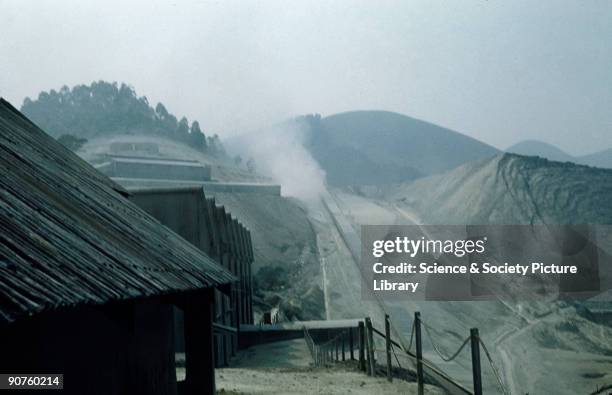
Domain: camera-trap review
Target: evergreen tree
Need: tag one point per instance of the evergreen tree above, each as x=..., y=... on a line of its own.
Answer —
x=197, y=139
x=182, y=131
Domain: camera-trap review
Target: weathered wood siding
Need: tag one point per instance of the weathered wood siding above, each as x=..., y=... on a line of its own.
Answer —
x=209, y=227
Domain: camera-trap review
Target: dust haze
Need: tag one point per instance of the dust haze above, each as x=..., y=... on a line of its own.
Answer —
x=279, y=152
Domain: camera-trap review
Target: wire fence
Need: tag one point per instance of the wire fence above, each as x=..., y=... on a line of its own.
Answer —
x=323, y=352
x=494, y=369
x=326, y=351
x=445, y=358
x=437, y=349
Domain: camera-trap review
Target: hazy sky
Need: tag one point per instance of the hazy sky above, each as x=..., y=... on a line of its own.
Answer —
x=499, y=71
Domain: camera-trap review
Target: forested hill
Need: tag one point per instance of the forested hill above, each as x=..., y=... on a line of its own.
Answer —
x=104, y=109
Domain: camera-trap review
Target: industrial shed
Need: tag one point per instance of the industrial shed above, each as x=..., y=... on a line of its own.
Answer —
x=200, y=221
x=89, y=281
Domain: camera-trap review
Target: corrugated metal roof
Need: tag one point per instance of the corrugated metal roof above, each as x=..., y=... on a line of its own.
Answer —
x=68, y=236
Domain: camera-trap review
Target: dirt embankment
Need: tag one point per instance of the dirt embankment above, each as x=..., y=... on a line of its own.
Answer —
x=286, y=270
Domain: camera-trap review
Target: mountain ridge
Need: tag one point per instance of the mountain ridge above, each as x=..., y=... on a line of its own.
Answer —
x=549, y=151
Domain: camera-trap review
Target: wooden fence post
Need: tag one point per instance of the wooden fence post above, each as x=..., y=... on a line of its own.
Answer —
x=367, y=351
x=351, y=343
x=388, y=345
x=362, y=365
x=419, y=351
x=474, y=343
x=337, y=353
x=371, y=357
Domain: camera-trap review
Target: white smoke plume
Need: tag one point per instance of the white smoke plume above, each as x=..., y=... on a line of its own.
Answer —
x=279, y=153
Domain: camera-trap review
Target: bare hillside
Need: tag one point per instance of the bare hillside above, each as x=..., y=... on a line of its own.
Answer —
x=511, y=189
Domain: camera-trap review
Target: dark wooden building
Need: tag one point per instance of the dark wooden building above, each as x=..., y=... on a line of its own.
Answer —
x=89, y=282
x=200, y=221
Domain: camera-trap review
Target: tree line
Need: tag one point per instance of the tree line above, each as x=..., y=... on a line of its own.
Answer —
x=105, y=109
